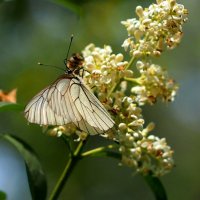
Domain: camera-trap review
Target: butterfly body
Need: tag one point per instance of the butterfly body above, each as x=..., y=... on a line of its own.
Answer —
x=69, y=100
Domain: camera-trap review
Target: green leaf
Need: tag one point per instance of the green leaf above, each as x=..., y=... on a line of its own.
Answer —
x=2, y=195
x=156, y=186
x=6, y=106
x=36, y=176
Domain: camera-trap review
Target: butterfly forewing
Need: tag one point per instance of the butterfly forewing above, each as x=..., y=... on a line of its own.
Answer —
x=69, y=100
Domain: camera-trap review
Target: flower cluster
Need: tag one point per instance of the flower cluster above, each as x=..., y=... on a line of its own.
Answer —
x=150, y=155
x=103, y=68
x=123, y=94
x=158, y=26
x=125, y=110
x=145, y=153
x=153, y=83
x=68, y=130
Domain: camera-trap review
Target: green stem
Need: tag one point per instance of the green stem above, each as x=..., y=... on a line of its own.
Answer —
x=134, y=80
x=116, y=84
x=130, y=63
x=93, y=152
x=156, y=186
x=74, y=158
x=102, y=151
x=68, y=143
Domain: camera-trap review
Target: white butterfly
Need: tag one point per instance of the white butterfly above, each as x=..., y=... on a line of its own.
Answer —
x=68, y=100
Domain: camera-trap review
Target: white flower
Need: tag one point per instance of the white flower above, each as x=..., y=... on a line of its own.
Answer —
x=162, y=20
x=154, y=83
x=104, y=67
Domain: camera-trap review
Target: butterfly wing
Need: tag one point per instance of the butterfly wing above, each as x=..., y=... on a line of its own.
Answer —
x=68, y=100
x=51, y=106
x=90, y=107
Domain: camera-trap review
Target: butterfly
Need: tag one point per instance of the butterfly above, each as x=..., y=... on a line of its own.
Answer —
x=69, y=100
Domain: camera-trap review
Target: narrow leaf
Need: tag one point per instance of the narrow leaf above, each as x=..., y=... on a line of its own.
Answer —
x=6, y=106
x=2, y=195
x=36, y=176
x=156, y=187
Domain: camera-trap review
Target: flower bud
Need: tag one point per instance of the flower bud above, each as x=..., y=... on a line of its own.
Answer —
x=128, y=73
x=119, y=57
x=137, y=53
x=122, y=127
x=139, y=11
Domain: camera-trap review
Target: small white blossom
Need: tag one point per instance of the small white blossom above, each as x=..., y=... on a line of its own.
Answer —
x=68, y=130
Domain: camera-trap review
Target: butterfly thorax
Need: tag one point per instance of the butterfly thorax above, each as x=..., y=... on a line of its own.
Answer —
x=75, y=63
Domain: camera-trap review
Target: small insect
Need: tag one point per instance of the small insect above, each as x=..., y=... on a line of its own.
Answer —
x=68, y=100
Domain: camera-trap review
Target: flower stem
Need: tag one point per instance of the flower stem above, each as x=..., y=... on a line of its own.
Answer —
x=156, y=187
x=102, y=151
x=130, y=63
x=116, y=84
x=133, y=80
x=74, y=158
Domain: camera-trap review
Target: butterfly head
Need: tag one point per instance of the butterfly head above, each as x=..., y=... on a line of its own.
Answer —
x=74, y=63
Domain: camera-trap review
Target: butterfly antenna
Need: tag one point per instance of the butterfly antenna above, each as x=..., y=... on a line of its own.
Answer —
x=51, y=66
x=72, y=36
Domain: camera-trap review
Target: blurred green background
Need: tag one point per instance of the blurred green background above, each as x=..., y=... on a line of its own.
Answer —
x=39, y=30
